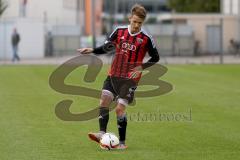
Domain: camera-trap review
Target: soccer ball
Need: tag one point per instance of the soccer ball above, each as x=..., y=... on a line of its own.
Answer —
x=109, y=141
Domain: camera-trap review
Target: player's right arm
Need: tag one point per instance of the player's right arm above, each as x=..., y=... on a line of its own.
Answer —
x=105, y=48
x=85, y=50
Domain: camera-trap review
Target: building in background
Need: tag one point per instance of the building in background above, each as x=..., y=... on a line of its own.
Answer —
x=71, y=23
x=55, y=12
x=232, y=7
x=180, y=34
x=211, y=33
x=205, y=30
x=65, y=20
x=116, y=11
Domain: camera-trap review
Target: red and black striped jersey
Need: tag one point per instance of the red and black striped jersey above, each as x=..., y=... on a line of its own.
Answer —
x=130, y=51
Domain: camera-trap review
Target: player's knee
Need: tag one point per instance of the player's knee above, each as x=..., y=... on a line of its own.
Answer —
x=105, y=101
x=120, y=110
x=106, y=98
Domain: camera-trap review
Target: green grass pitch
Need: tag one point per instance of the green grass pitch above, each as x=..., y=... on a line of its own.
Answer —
x=30, y=130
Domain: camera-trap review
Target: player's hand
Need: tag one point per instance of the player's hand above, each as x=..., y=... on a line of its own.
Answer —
x=135, y=73
x=85, y=50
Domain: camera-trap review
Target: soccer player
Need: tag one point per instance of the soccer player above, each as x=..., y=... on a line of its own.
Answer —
x=131, y=43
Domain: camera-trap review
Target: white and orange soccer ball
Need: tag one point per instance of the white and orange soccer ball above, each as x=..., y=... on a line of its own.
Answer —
x=109, y=141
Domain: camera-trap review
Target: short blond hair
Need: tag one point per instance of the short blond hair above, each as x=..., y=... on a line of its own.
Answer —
x=139, y=11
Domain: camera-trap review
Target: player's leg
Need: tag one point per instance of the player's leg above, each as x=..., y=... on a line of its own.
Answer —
x=126, y=95
x=121, y=120
x=105, y=101
x=107, y=97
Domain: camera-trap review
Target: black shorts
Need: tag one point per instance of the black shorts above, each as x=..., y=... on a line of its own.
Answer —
x=120, y=87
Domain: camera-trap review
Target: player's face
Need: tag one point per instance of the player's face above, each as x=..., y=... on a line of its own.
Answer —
x=135, y=23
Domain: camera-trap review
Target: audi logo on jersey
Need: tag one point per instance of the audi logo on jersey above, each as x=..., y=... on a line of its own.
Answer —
x=128, y=47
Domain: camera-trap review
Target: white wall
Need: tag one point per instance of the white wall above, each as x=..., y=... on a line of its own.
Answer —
x=231, y=7
x=5, y=39
x=40, y=16
x=32, y=38
x=55, y=10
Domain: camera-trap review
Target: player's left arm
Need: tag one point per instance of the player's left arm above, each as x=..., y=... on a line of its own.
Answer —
x=153, y=53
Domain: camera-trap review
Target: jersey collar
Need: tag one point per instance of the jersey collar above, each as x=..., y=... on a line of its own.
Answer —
x=134, y=33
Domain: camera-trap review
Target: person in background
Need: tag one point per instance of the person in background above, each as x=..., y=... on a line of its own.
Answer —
x=15, y=42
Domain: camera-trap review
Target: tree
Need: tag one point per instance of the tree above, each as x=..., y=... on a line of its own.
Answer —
x=195, y=6
x=2, y=7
